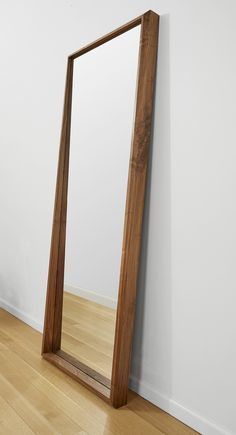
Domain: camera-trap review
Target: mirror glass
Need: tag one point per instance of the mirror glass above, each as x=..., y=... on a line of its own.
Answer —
x=104, y=85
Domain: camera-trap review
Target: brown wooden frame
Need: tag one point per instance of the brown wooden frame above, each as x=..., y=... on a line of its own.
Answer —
x=114, y=392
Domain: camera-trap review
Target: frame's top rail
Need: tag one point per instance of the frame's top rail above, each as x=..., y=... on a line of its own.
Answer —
x=109, y=36
x=128, y=26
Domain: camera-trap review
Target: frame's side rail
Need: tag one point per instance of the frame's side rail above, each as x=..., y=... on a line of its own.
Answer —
x=134, y=208
x=53, y=311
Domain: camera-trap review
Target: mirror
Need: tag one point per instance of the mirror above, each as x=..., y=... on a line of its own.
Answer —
x=99, y=201
x=103, y=97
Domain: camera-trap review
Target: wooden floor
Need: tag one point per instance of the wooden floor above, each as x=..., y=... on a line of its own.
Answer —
x=37, y=398
x=88, y=331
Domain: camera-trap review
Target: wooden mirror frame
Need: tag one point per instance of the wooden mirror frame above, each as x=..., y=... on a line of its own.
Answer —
x=116, y=392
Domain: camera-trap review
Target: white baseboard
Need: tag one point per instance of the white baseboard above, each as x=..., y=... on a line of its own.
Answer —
x=190, y=418
x=91, y=296
x=21, y=315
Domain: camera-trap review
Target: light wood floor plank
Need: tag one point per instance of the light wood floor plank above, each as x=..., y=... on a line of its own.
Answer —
x=44, y=400
x=24, y=409
x=22, y=378
x=10, y=422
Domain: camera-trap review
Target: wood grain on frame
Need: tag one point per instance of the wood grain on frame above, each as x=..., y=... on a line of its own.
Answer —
x=53, y=310
x=117, y=393
x=134, y=209
x=73, y=371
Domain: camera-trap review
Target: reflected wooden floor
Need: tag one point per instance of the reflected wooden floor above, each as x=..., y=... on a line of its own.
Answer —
x=88, y=331
x=37, y=398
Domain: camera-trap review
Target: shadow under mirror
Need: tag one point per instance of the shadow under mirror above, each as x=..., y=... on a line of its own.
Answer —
x=104, y=85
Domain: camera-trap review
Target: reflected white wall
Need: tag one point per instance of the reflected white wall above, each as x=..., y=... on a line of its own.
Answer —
x=104, y=86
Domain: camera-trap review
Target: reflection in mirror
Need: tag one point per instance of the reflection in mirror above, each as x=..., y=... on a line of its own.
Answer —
x=103, y=99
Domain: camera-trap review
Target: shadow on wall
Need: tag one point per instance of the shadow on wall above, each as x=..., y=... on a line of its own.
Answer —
x=151, y=367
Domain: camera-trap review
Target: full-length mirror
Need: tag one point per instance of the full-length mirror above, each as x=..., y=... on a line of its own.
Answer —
x=99, y=202
x=103, y=96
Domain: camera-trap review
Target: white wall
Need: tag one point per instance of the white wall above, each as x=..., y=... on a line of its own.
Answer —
x=184, y=349
x=104, y=87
